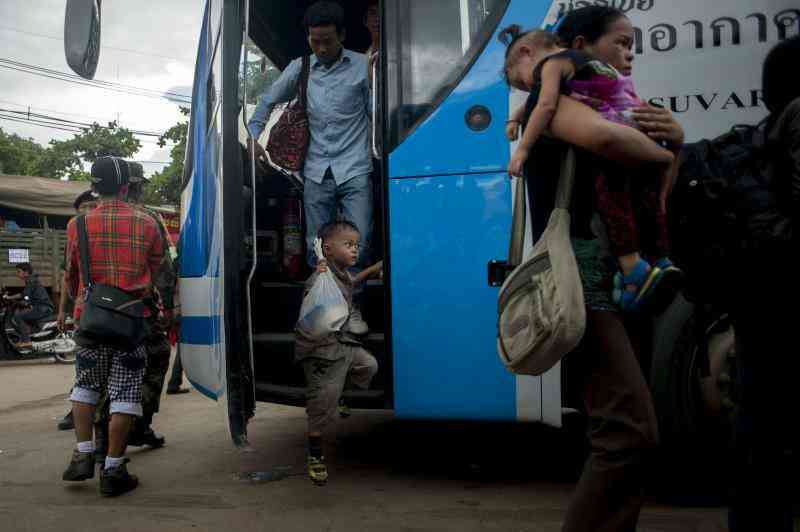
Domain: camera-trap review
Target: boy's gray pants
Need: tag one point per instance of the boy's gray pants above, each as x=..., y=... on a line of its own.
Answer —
x=326, y=380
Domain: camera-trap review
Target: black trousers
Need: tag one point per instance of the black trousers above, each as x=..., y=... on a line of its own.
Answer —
x=767, y=356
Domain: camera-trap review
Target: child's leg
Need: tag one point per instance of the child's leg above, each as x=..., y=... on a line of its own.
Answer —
x=650, y=218
x=616, y=210
x=325, y=381
x=362, y=369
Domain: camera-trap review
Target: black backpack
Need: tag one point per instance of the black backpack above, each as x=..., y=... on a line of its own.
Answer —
x=722, y=203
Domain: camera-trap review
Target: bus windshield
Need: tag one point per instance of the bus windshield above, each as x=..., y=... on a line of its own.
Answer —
x=430, y=45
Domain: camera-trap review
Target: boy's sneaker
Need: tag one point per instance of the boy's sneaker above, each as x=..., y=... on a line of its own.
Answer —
x=116, y=481
x=317, y=470
x=66, y=422
x=81, y=467
x=344, y=410
x=357, y=325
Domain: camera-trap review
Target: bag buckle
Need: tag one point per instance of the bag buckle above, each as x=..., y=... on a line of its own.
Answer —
x=498, y=270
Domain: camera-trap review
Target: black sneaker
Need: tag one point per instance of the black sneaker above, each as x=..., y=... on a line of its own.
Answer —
x=81, y=467
x=66, y=422
x=147, y=437
x=117, y=480
x=177, y=391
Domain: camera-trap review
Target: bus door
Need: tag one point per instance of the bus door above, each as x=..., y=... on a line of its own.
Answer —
x=213, y=338
x=449, y=200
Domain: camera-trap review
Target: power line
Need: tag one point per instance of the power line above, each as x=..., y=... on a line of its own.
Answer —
x=72, y=123
x=99, y=84
x=93, y=117
x=103, y=46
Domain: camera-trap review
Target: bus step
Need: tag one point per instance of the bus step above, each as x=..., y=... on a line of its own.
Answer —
x=288, y=338
x=296, y=396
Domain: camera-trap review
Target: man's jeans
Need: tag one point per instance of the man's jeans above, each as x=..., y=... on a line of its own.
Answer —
x=351, y=201
x=25, y=320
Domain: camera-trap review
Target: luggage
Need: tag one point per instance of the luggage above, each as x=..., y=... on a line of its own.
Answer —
x=290, y=136
x=542, y=315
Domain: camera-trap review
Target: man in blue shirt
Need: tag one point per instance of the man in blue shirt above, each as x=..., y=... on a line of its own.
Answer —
x=338, y=165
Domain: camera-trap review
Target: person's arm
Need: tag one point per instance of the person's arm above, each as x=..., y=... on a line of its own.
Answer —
x=660, y=125
x=578, y=124
x=514, y=122
x=71, y=274
x=376, y=270
x=791, y=139
x=282, y=90
x=63, y=299
x=155, y=259
x=542, y=114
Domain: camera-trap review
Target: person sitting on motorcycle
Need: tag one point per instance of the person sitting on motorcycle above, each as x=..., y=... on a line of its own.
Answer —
x=36, y=301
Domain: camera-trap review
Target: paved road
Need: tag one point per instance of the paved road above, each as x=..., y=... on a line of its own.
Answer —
x=386, y=475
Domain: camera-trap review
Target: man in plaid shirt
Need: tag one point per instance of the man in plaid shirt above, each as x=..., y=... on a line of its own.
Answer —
x=125, y=251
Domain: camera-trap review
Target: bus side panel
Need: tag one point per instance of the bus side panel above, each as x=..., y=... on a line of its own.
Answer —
x=202, y=338
x=444, y=312
x=444, y=231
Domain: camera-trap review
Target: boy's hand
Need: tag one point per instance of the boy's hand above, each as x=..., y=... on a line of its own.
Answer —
x=322, y=266
x=512, y=130
x=517, y=164
x=377, y=270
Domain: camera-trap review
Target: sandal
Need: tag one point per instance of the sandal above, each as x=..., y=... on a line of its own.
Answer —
x=643, y=278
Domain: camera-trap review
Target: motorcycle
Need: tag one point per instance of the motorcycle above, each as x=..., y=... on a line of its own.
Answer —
x=47, y=340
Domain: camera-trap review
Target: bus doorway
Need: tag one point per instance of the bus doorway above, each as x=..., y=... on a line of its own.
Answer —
x=275, y=226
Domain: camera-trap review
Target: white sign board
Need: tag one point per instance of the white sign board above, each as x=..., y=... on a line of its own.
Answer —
x=18, y=256
x=702, y=59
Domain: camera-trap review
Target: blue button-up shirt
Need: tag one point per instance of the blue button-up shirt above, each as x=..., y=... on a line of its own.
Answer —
x=339, y=108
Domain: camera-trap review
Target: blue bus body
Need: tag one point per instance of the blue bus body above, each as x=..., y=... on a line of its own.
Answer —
x=448, y=201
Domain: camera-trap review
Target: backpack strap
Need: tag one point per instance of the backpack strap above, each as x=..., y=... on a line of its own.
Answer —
x=83, y=248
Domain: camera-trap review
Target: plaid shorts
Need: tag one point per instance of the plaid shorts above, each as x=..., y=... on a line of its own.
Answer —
x=120, y=373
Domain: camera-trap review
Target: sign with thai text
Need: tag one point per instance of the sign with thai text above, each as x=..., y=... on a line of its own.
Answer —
x=702, y=59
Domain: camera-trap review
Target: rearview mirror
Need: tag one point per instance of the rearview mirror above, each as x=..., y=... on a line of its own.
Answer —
x=82, y=36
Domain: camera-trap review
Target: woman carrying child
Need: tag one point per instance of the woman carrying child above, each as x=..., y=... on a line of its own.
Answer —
x=622, y=423
x=632, y=208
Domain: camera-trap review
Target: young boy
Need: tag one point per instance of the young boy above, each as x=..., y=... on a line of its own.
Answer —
x=329, y=361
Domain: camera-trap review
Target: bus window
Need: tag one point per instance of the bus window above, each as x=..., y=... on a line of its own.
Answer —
x=430, y=45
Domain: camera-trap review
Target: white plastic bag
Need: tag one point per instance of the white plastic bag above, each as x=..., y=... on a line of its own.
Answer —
x=324, y=308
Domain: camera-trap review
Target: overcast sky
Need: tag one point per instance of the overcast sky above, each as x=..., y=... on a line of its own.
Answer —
x=165, y=32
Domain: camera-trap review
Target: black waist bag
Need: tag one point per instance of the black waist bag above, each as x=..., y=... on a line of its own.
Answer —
x=110, y=316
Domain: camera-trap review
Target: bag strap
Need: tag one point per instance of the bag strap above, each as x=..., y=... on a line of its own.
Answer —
x=302, y=83
x=518, y=224
x=566, y=182
x=83, y=248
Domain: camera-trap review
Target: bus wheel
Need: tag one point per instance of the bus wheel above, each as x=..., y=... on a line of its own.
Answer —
x=691, y=381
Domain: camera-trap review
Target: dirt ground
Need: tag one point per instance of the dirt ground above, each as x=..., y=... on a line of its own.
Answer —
x=386, y=475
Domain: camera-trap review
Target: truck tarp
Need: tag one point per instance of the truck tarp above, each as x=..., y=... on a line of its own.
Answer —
x=40, y=194
x=48, y=196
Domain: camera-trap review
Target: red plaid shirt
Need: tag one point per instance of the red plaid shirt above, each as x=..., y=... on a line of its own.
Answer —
x=125, y=248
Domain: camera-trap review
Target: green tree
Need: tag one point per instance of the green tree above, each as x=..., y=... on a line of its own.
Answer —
x=19, y=156
x=65, y=158
x=164, y=188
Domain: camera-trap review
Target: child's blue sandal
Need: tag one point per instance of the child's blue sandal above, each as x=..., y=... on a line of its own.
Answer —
x=643, y=277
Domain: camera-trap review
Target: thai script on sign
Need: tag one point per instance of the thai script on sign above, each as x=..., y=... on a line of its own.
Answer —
x=622, y=5
x=722, y=31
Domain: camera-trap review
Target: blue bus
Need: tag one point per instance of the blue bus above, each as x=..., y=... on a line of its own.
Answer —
x=444, y=205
